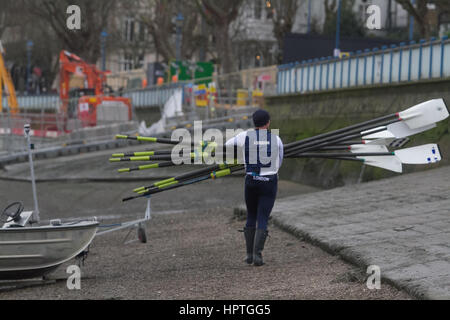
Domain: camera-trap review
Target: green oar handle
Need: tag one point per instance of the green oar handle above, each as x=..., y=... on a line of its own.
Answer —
x=192, y=156
x=172, y=181
x=148, y=167
x=162, y=140
x=142, y=154
x=189, y=175
x=212, y=175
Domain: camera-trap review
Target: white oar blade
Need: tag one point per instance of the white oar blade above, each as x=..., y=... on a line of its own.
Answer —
x=402, y=130
x=424, y=114
x=364, y=148
x=425, y=154
x=391, y=163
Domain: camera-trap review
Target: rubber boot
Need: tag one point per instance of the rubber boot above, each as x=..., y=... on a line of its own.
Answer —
x=260, y=239
x=249, y=234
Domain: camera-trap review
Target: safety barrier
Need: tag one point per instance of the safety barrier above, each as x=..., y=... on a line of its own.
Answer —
x=36, y=102
x=396, y=64
x=151, y=97
x=227, y=89
x=141, y=98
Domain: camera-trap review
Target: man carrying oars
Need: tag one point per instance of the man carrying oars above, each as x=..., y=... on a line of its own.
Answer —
x=263, y=156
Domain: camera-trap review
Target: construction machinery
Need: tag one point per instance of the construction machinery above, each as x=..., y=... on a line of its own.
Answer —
x=86, y=102
x=6, y=82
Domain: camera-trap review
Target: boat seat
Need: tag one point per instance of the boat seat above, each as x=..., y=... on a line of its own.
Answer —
x=24, y=219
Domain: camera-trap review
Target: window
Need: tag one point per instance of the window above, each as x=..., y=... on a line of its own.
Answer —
x=129, y=29
x=127, y=62
x=131, y=62
x=258, y=8
x=142, y=32
x=140, y=62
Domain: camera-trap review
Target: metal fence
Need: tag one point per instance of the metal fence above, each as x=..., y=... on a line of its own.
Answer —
x=36, y=102
x=153, y=96
x=402, y=63
x=228, y=87
x=50, y=130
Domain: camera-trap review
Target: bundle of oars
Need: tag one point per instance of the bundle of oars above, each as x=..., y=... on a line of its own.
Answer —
x=369, y=142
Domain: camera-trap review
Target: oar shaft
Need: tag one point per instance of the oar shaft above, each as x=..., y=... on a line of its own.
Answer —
x=334, y=158
x=328, y=141
x=212, y=175
x=334, y=148
x=142, y=154
x=373, y=123
x=148, y=167
x=159, y=158
x=162, y=140
x=186, y=176
x=333, y=155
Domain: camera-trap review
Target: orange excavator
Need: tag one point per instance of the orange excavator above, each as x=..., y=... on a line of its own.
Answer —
x=87, y=102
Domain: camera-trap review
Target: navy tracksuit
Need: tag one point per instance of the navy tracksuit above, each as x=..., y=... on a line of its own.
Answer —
x=260, y=191
x=260, y=199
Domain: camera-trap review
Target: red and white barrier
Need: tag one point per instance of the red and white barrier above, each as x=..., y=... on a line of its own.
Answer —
x=33, y=133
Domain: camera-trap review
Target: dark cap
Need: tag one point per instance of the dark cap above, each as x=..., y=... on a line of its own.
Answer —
x=261, y=118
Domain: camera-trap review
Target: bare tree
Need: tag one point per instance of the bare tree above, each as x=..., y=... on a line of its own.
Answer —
x=128, y=35
x=351, y=25
x=420, y=14
x=160, y=18
x=283, y=13
x=8, y=15
x=219, y=15
x=330, y=9
x=443, y=5
x=95, y=17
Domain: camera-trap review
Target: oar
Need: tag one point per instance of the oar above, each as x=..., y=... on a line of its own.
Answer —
x=148, y=167
x=391, y=163
x=186, y=176
x=162, y=140
x=191, y=156
x=212, y=175
x=416, y=117
x=142, y=154
x=327, y=141
x=425, y=154
x=401, y=130
x=409, y=122
x=344, y=130
x=212, y=147
x=336, y=155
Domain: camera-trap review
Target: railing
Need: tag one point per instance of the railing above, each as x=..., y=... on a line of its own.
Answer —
x=226, y=86
x=51, y=130
x=153, y=96
x=36, y=102
x=403, y=63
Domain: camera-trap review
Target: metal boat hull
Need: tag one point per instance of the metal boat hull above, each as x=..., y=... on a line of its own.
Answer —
x=34, y=252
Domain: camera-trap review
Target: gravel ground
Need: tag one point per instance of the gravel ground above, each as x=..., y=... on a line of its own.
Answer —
x=194, y=249
x=198, y=254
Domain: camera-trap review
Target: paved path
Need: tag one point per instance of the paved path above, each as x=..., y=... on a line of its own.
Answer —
x=401, y=225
